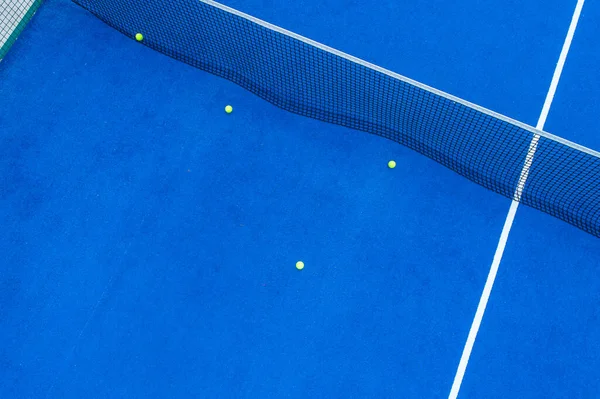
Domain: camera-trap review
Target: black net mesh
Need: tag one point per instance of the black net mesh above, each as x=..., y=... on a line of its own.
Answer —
x=561, y=179
x=14, y=15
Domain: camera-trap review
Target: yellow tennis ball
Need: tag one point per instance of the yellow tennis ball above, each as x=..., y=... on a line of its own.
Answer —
x=229, y=109
x=139, y=37
x=392, y=164
x=300, y=265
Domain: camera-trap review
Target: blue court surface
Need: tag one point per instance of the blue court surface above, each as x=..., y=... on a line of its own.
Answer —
x=149, y=239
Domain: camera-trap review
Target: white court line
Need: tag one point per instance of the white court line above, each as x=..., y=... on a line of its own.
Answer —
x=487, y=289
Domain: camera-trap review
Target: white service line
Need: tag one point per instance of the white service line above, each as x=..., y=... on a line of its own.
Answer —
x=487, y=289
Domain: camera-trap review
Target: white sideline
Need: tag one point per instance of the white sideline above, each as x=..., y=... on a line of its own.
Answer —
x=487, y=289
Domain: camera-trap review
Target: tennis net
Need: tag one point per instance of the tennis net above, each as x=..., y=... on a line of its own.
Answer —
x=297, y=74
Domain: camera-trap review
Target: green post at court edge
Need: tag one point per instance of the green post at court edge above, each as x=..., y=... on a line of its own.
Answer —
x=19, y=28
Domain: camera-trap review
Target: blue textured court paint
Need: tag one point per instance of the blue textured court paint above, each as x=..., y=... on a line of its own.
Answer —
x=192, y=273
x=577, y=102
x=149, y=239
x=540, y=334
